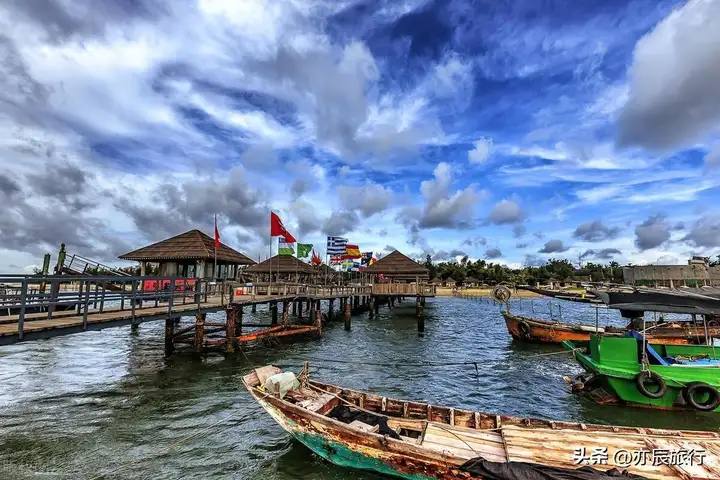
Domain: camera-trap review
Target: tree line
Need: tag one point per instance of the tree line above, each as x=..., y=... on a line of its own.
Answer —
x=554, y=268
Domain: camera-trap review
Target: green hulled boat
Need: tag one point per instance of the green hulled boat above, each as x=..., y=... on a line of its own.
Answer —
x=629, y=370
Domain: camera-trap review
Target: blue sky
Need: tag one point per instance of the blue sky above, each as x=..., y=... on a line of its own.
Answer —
x=513, y=131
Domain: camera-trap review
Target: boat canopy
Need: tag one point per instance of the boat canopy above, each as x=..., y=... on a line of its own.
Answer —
x=664, y=301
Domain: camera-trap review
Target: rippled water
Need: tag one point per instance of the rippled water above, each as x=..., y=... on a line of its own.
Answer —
x=109, y=405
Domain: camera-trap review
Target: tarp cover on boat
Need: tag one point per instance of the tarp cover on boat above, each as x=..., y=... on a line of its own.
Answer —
x=531, y=471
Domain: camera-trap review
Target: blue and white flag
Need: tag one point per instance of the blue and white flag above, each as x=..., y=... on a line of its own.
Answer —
x=336, y=245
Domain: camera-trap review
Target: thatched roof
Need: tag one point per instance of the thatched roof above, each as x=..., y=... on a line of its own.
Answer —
x=397, y=264
x=324, y=268
x=192, y=245
x=436, y=281
x=450, y=280
x=282, y=264
x=472, y=280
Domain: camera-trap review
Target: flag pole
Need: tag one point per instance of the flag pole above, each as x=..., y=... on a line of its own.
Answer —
x=270, y=257
x=215, y=243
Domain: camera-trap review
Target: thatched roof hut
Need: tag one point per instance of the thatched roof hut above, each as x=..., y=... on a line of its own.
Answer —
x=450, y=281
x=436, y=281
x=398, y=266
x=282, y=264
x=190, y=254
x=471, y=281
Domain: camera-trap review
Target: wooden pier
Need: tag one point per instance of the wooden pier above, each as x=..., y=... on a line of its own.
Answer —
x=52, y=306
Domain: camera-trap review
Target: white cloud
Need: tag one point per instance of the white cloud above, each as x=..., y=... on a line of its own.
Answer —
x=675, y=79
x=481, y=152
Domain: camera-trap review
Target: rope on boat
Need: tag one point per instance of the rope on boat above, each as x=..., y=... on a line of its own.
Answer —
x=424, y=363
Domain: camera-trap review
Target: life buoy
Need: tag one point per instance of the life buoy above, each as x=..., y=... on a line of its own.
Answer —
x=524, y=329
x=693, y=388
x=648, y=376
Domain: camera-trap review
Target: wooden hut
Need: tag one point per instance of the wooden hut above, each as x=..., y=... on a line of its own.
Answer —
x=282, y=268
x=398, y=268
x=450, y=282
x=192, y=255
x=471, y=282
x=436, y=281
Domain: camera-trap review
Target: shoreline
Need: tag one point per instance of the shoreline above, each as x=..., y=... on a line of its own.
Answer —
x=480, y=292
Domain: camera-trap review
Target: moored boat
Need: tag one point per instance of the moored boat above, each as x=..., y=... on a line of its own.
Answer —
x=545, y=331
x=419, y=441
x=628, y=370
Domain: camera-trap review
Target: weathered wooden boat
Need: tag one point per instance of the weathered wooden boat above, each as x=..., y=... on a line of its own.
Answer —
x=420, y=441
x=628, y=370
x=545, y=331
x=587, y=297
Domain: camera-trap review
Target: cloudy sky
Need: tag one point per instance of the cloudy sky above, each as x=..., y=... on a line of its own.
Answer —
x=508, y=130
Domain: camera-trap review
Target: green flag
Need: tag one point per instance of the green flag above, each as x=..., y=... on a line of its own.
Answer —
x=304, y=250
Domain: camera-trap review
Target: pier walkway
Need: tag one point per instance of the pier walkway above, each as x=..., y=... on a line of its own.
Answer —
x=40, y=307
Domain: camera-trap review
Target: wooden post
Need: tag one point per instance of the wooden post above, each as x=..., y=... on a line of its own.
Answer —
x=169, y=333
x=420, y=316
x=199, y=331
x=230, y=326
x=377, y=305
x=286, y=313
x=300, y=308
x=372, y=307
x=253, y=309
x=274, y=313
x=348, y=315
x=294, y=307
x=311, y=306
x=330, y=308
x=239, y=321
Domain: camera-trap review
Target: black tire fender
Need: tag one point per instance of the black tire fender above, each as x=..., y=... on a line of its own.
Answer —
x=642, y=378
x=691, y=388
x=524, y=329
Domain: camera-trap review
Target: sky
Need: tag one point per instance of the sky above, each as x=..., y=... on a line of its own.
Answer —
x=511, y=131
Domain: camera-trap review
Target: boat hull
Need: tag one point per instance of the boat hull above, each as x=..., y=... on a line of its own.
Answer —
x=343, y=447
x=613, y=380
x=541, y=331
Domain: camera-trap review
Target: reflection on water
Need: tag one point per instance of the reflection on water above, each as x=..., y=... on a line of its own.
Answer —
x=109, y=403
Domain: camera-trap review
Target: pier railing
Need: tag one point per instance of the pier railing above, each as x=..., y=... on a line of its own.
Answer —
x=43, y=297
x=298, y=290
x=408, y=289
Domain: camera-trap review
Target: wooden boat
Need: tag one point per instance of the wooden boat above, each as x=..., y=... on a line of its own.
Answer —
x=677, y=377
x=544, y=331
x=565, y=295
x=419, y=441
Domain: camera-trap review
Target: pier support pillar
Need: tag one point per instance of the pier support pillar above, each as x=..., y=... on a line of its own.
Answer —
x=169, y=333
x=300, y=305
x=199, y=332
x=348, y=316
x=330, y=308
x=377, y=305
x=273, y=313
x=312, y=309
x=294, y=307
x=372, y=307
x=230, y=329
x=239, y=321
x=420, y=316
x=253, y=309
x=286, y=312
x=134, y=327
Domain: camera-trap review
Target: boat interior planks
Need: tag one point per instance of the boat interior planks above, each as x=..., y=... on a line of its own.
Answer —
x=419, y=440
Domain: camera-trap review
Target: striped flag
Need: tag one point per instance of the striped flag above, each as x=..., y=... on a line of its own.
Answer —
x=336, y=245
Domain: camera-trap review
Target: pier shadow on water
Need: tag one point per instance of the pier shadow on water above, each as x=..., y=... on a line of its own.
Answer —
x=109, y=404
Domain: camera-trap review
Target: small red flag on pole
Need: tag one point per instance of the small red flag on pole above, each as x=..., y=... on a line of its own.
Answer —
x=217, y=234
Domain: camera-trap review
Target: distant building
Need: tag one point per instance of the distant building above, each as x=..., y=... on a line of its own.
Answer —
x=696, y=273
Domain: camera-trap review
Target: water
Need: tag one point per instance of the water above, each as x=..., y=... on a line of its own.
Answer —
x=108, y=405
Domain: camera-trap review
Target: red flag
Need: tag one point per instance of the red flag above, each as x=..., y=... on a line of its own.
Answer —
x=278, y=229
x=217, y=234
x=316, y=259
